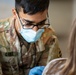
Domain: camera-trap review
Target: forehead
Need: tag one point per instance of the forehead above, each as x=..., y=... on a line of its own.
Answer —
x=35, y=17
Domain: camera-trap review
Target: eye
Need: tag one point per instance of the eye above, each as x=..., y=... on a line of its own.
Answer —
x=42, y=23
x=28, y=25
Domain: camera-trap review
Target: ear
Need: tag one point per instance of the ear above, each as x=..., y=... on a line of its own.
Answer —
x=14, y=13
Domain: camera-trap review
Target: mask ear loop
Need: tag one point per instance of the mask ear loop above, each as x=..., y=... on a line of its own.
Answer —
x=19, y=21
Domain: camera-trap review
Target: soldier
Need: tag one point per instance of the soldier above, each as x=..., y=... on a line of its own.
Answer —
x=64, y=66
x=26, y=38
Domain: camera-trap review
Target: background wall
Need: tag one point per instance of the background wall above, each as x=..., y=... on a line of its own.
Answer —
x=74, y=9
x=61, y=13
x=5, y=8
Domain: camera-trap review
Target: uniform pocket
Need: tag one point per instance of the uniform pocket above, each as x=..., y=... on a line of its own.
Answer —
x=10, y=63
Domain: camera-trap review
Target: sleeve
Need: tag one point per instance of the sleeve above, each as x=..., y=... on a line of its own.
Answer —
x=51, y=47
x=54, y=50
x=51, y=51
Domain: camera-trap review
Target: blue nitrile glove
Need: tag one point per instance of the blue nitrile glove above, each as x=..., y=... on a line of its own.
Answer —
x=36, y=70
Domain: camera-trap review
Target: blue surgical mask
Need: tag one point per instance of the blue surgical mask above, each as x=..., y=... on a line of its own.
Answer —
x=30, y=35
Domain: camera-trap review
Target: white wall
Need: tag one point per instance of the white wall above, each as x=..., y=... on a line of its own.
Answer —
x=74, y=9
x=60, y=12
x=6, y=8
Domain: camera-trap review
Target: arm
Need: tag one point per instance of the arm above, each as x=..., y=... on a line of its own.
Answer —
x=51, y=51
x=54, y=50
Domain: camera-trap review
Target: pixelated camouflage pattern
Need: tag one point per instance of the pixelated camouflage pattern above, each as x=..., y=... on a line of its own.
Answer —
x=46, y=48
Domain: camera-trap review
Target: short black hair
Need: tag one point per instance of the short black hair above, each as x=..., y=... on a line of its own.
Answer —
x=31, y=6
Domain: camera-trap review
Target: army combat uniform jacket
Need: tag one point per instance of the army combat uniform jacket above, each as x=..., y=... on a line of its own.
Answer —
x=17, y=57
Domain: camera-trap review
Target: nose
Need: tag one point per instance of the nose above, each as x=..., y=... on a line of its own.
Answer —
x=35, y=28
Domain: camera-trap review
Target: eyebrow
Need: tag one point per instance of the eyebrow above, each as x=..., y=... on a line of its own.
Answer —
x=33, y=21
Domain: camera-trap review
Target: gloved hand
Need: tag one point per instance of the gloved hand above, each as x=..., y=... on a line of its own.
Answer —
x=36, y=70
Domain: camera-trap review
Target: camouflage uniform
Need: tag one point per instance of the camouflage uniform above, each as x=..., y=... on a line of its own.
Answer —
x=17, y=56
